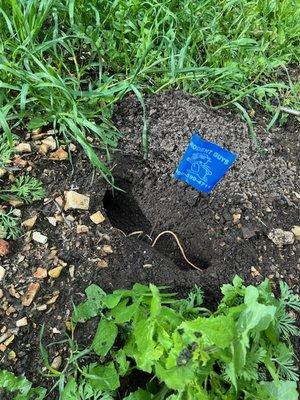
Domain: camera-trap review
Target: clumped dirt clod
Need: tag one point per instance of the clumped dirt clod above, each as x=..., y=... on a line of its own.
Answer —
x=225, y=233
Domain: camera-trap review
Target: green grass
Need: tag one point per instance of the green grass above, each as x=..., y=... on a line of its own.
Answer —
x=66, y=63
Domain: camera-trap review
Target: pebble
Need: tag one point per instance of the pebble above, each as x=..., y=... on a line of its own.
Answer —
x=247, y=232
x=77, y=201
x=296, y=232
x=50, y=142
x=40, y=273
x=56, y=363
x=97, y=217
x=82, y=229
x=22, y=322
x=102, y=263
x=52, y=221
x=4, y=248
x=281, y=237
x=55, y=272
x=39, y=237
x=30, y=222
x=2, y=273
x=107, y=249
x=59, y=155
x=23, y=148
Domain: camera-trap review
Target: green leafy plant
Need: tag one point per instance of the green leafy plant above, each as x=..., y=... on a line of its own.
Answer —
x=25, y=188
x=149, y=345
x=9, y=225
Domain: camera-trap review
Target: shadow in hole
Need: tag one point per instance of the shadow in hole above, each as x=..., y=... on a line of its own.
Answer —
x=125, y=214
x=123, y=210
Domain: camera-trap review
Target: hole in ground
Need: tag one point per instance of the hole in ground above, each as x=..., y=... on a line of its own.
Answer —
x=125, y=214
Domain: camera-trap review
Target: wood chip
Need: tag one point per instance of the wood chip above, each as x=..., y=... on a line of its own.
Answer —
x=30, y=294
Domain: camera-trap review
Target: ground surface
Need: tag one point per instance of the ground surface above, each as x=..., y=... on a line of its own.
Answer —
x=225, y=233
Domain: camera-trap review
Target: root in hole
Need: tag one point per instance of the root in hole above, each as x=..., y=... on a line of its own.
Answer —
x=125, y=214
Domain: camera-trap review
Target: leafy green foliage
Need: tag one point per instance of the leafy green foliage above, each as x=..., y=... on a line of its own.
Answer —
x=24, y=188
x=9, y=225
x=67, y=63
x=179, y=349
x=20, y=386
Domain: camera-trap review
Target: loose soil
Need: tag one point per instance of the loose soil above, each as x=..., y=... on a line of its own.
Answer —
x=224, y=233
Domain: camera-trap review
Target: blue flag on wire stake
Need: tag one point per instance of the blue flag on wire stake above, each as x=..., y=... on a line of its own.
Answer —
x=203, y=164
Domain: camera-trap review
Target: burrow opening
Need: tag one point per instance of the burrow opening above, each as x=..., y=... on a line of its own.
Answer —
x=125, y=213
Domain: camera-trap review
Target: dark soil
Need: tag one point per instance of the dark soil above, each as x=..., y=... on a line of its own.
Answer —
x=263, y=190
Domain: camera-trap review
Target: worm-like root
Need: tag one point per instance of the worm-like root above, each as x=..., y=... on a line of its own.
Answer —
x=179, y=245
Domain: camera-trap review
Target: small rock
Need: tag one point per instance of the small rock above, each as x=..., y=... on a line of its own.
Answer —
x=55, y=272
x=76, y=201
x=40, y=273
x=56, y=331
x=19, y=162
x=53, y=298
x=2, y=273
x=102, y=263
x=97, y=217
x=59, y=201
x=296, y=232
x=255, y=272
x=15, y=202
x=1, y=293
x=50, y=142
x=236, y=218
x=107, y=249
x=2, y=347
x=281, y=237
x=2, y=172
x=59, y=155
x=9, y=340
x=17, y=212
x=70, y=218
x=247, y=232
x=30, y=222
x=12, y=355
x=56, y=363
x=39, y=237
x=72, y=271
x=52, y=221
x=43, y=149
x=43, y=307
x=23, y=148
x=22, y=322
x=82, y=229
x=30, y=294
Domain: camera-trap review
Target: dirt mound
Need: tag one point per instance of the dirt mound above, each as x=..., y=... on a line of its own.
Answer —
x=224, y=233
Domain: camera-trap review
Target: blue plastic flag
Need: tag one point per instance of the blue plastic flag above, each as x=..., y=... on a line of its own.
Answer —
x=203, y=164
